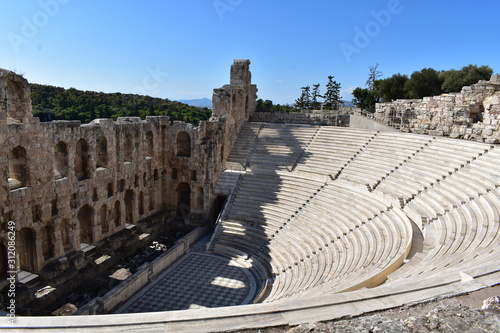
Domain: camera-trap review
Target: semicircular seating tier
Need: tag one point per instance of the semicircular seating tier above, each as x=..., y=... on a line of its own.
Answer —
x=317, y=210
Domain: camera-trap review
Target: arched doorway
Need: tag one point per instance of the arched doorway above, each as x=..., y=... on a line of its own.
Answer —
x=86, y=219
x=183, y=199
x=27, y=250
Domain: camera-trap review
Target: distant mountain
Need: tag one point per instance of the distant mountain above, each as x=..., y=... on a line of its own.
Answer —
x=201, y=102
x=346, y=103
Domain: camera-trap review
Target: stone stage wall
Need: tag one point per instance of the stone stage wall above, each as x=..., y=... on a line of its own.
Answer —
x=70, y=186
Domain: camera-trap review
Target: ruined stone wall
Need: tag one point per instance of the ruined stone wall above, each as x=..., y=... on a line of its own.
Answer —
x=66, y=184
x=474, y=113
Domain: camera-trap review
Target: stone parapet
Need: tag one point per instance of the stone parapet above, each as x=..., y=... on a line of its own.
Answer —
x=473, y=113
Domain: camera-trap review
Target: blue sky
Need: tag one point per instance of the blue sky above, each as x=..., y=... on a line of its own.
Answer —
x=184, y=49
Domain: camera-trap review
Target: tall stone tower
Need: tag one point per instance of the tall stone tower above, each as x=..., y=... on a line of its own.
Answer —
x=235, y=102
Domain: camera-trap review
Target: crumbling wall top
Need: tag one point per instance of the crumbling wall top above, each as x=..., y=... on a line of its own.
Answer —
x=15, y=97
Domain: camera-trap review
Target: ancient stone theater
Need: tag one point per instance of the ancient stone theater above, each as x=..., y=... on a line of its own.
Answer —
x=283, y=219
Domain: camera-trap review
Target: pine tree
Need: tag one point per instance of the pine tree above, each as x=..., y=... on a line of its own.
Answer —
x=372, y=77
x=315, y=104
x=304, y=101
x=332, y=95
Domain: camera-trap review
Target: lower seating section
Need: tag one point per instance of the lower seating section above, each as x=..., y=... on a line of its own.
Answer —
x=323, y=210
x=297, y=227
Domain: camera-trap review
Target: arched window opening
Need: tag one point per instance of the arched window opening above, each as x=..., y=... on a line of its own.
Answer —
x=149, y=144
x=102, y=152
x=18, y=168
x=128, y=148
x=86, y=219
x=82, y=170
x=183, y=144
x=61, y=161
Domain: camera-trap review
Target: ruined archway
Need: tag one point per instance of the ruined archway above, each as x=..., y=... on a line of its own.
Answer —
x=102, y=152
x=183, y=144
x=26, y=250
x=82, y=160
x=183, y=199
x=86, y=219
x=18, y=168
x=61, y=160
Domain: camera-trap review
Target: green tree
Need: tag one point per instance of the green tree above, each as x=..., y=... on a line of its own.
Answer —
x=423, y=83
x=364, y=99
x=332, y=96
x=315, y=103
x=454, y=80
x=304, y=101
x=392, y=88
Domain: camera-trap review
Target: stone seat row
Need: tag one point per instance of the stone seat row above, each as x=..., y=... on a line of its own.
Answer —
x=303, y=241
x=371, y=247
x=462, y=234
x=472, y=180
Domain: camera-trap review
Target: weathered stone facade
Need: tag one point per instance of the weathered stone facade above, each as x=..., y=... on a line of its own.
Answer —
x=70, y=186
x=473, y=114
